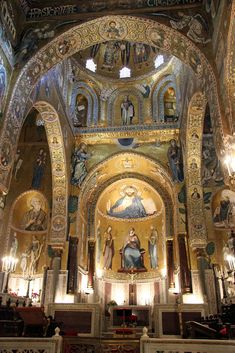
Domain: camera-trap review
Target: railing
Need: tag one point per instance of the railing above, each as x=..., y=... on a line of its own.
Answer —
x=154, y=345
x=31, y=345
x=100, y=345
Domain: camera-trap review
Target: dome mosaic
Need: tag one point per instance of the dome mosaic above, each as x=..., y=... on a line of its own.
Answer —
x=112, y=56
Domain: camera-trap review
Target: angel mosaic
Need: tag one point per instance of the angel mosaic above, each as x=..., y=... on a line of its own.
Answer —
x=197, y=27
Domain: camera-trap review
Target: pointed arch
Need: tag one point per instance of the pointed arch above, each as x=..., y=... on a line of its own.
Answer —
x=97, y=180
x=84, y=35
x=54, y=134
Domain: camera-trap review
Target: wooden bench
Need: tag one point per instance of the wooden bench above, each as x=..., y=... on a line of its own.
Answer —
x=34, y=320
x=11, y=324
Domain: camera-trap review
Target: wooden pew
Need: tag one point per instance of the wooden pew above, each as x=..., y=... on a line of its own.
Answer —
x=34, y=320
x=196, y=330
x=11, y=325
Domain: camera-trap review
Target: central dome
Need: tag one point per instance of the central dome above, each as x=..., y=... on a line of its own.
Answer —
x=112, y=56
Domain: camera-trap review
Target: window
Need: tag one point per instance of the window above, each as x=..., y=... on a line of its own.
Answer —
x=90, y=65
x=125, y=72
x=158, y=61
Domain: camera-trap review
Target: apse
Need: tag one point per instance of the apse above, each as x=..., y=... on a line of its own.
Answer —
x=125, y=207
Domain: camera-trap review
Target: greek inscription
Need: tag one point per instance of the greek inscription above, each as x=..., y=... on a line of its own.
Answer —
x=62, y=10
x=52, y=11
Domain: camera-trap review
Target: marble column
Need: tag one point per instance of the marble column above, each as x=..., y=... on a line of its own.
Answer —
x=211, y=291
x=185, y=273
x=202, y=264
x=44, y=283
x=72, y=265
x=56, y=265
x=91, y=264
x=170, y=263
x=2, y=206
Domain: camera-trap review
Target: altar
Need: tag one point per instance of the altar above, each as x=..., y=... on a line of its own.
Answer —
x=131, y=316
x=77, y=319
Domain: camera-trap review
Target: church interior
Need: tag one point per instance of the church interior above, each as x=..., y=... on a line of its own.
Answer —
x=117, y=168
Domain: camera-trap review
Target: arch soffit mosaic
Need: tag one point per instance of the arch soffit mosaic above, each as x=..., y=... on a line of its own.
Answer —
x=58, y=230
x=85, y=35
x=116, y=94
x=81, y=87
x=195, y=206
x=230, y=67
x=160, y=181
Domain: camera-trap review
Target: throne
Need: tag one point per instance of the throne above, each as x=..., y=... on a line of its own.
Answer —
x=142, y=268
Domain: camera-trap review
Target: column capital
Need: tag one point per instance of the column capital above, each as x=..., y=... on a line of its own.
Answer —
x=55, y=250
x=200, y=252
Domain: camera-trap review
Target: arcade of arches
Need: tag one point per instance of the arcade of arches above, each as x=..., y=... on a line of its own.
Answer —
x=118, y=189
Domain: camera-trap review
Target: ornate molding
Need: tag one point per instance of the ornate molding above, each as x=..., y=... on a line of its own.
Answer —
x=195, y=204
x=140, y=131
x=58, y=231
x=230, y=69
x=149, y=276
